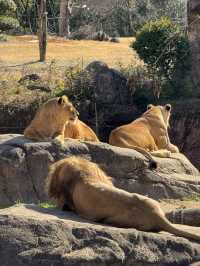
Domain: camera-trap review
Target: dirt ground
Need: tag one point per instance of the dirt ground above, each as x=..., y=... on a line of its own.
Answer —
x=24, y=50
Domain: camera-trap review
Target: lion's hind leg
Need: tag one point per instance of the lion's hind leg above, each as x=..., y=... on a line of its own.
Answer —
x=114, y=221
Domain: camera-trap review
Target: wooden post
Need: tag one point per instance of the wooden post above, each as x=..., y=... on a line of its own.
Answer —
x=42, y=29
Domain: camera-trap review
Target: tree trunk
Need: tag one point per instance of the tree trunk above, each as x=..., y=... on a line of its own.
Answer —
x=65, y=13
x=194, y=38
x=42, y=29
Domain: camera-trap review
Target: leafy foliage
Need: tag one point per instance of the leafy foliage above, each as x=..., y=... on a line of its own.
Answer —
x=7, y=15
x=139, y=83
x=47, y=205
x=120, y=19
x=8, y=23
x=78, y=84
x=165, y=50
x=7, y=7
x=26, y=14
x=3, y=38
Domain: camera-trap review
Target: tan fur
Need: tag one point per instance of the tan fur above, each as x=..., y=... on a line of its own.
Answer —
x=149, y=133
x=79, y=130
x=90, y=192
x=51, y=119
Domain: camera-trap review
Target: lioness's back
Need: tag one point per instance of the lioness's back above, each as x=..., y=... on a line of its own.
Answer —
x=79, y=130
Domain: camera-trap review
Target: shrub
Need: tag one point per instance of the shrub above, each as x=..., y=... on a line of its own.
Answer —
x=7, y=6
x=165, y=50
x=139, y=84
x=83, y=33
x=100, y=36
x=8, y=23
x=77, y=85
x=3, y=38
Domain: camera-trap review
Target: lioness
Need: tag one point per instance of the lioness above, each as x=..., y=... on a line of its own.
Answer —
x=51, y=119
x=149, y=133
x=79, y=130
x=86, y=189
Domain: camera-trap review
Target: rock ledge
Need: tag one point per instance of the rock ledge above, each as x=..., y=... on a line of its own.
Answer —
x=32, y=236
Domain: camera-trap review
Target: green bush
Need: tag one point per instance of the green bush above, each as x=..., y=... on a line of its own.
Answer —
x=3, y=38
x=7, y=7
x=139, y=84
x=8, y=23
x=165, y=49
x=78, y=85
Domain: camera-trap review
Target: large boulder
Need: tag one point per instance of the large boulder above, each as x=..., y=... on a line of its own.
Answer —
x=109, y=84
x=31, y=236
x=24, y=166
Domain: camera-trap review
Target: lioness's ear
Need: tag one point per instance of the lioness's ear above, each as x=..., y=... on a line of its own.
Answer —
x=168, y=107
x=60, y=100
x=63, y=99
x=149, y=106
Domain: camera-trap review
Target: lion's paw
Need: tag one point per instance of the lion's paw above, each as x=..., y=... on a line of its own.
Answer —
x=58, y=142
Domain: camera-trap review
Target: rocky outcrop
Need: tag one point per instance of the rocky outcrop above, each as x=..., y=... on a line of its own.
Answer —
x=31, y=236
x=185, y=129
x=110, y=86
x=185, y=216
x=107, y=104
x=24, y=166
x=193, y=33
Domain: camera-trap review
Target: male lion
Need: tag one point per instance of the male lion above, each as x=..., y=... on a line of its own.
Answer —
x=79, y=130
x=51, y=119
x=86, y=189
x=147, y=133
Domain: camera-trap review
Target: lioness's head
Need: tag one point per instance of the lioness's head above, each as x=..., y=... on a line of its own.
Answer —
x=67, y=109
x=165, y=110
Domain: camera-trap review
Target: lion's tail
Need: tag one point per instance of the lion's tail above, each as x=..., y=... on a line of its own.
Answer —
x=177, y=230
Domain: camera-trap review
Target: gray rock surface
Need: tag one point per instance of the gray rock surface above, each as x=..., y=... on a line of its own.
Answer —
x=31, y=236
x=24, y=166
x=185, y=216
x=109, y=84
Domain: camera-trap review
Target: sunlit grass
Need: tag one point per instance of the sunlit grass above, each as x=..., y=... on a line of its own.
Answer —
x=24, y=49
x=46, y=205
x=195, y=198
x=19, y=55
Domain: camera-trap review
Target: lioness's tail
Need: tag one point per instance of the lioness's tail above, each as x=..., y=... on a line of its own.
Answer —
x=125, y=144
x=152, y=162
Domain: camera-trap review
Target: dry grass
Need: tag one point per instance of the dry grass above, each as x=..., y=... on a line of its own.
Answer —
x=171, y=204
x=19, y=56
x=24, y=49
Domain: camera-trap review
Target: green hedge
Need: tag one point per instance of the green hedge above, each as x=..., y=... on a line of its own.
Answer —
x=8, y=23
x=165, y=49
x=7, y=7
